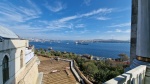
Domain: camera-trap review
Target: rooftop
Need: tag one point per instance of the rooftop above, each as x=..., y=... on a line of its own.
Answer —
x=6, y=33
x=56, y=72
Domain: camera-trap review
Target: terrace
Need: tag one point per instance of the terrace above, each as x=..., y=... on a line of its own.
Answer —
x=56, y=72
x=139, y=70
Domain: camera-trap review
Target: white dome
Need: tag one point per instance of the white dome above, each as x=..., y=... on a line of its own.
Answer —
x=6, y=33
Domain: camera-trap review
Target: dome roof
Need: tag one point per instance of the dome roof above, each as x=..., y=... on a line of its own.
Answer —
x=6, y=33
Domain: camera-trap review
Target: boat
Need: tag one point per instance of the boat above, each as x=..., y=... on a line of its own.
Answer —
x=81, y=43
x=50, y=48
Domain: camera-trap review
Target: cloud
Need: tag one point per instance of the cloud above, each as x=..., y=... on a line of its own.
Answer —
x=58, y=6
x=87, y=2
x=119, y=31
x=80, y=26
x=68, y=18
x=34, y=6
x=68, y=31
x=65, y=21
x=121, y=25
x=94, y=12
x=103, y=18
x=84, y=31
x=27, y=19
x=101, y=10
x=11, y=12
x=59, y=25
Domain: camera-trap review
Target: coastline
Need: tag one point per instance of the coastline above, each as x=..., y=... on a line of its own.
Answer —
x=106, y=50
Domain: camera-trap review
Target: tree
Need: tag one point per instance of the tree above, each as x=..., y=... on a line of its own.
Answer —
x=57, y=53
x=52, y=52
x=66, y=55
x=49, y=54
x=100, y=77
x=89, y=68
x=42, y=51
x=36, y=51
x=123, y=57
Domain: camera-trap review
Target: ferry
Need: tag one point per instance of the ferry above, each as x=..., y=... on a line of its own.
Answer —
x=50, y=48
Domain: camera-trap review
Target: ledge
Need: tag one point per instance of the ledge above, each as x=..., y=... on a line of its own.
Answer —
x=135, y=75
x=39, y=79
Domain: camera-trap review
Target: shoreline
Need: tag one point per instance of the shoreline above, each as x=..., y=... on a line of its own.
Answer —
x=106, y=50
x=87, y=56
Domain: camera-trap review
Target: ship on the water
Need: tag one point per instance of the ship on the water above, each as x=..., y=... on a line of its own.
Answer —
x=81, y=43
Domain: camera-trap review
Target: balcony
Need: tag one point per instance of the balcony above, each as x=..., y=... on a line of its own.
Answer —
x=134, y=76
x=29, y=54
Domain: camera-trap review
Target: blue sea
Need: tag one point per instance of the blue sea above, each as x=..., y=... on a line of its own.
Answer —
x=107, y=50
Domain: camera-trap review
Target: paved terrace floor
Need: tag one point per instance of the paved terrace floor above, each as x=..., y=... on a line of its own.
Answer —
x=63, y=74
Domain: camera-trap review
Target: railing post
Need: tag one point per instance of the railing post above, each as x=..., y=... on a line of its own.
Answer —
x=141, y=78
x=134, y=81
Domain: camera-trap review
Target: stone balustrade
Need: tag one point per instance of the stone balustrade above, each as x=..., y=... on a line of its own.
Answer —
x=134, y=76
x=29, y=56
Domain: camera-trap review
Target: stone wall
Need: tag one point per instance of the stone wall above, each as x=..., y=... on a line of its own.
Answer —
x=30, y=73
x=14, y=62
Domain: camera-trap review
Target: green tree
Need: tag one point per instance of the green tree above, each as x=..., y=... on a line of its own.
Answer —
x=100, y=76
x=89, y=68
x=42, y=51
x=66, y=55
x=52, y=52
x=57, y=53
x=123, y=57
x=36, y=51
x=49, y=54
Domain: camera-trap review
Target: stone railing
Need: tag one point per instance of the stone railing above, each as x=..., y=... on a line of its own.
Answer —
x=82, y=75
x=29, y=56
x=73, y=70
x=134, y=76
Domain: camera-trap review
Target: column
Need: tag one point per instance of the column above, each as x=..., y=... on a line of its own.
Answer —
x=133, y=30
x=143, y=37
x=143, y=30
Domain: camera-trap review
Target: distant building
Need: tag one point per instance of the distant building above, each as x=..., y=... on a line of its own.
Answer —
x=18, y=65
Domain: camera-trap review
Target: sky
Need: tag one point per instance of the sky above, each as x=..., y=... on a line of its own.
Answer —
x=67, y=19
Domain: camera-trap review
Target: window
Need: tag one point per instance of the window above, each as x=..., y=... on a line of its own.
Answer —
x=21, y=59
x=5, y=69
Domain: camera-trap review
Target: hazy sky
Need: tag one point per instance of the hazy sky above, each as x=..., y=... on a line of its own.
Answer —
x=67, y=19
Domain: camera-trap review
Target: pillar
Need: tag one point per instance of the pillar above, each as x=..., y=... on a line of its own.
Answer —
x=133, y=30
x=143, y=31
x=143, y=38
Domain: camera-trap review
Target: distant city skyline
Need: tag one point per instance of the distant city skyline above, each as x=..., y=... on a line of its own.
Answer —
x=67, y=19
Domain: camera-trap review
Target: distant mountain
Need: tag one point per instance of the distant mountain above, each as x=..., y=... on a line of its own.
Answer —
x=112, y=41
x=82, y=41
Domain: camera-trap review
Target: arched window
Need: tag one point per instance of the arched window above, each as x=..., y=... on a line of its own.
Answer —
x=21, y=59
x=5, y=69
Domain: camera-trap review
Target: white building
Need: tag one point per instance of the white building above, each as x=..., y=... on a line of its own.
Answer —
x=18, y=65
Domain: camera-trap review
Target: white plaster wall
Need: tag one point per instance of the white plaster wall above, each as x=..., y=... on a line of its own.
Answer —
x=12, y=48
x=32, y=75
x=27, y=43
x=9, y=44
